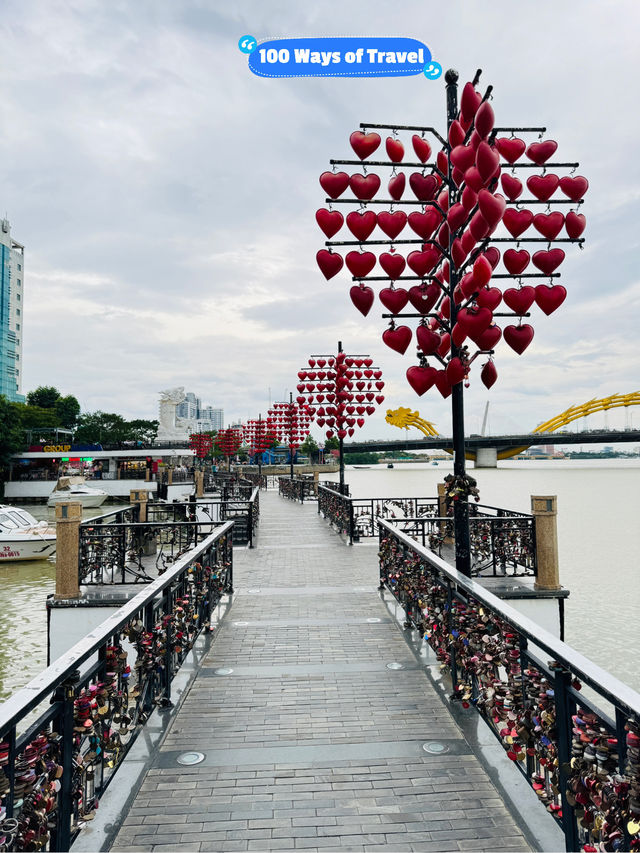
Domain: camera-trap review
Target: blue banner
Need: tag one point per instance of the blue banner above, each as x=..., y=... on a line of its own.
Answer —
x=339, y=57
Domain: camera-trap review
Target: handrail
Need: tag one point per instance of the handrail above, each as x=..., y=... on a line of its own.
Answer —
x=95, y=710
x=561, y=740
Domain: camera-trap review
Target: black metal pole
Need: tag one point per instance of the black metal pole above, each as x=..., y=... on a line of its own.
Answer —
x=291, y=431
x=340, y=440
x=460, y=507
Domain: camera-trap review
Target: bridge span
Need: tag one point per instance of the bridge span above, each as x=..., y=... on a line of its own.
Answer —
x=473, y=443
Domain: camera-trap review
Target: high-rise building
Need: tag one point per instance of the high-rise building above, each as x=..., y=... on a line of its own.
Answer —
x=205, y=418
x=11, y=314
x=190, y=407
x=213, y=416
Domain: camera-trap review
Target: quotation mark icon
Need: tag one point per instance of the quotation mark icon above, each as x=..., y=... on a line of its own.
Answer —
x=432, y=70
x=247, y=44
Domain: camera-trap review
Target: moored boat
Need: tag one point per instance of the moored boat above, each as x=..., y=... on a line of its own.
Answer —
x=76, y=489
x=22, y=537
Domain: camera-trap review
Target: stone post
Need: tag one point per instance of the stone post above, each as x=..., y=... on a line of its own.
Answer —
x=68, y=518
x=316, y=479
x=198, y=476
x=170, y=476
x=545, y=512
x=442, y=509
x=140, y=497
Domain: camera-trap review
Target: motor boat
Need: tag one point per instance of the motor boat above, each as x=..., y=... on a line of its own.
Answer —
x=76, y=489
x=22, y=537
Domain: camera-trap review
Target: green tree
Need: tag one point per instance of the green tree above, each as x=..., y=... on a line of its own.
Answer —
x=44, y=396
x=11, y=432
x=67, y=409
x=101, y=428
x=36, y=417
x=332, y=444
x=144, y=431
x=310, y=448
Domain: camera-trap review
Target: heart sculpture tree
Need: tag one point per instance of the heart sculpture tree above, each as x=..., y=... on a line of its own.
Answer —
x=456, y=209
x=202, y=443
x=228, y=442
x=260, y=435
x=340, y=391
x=291, y=423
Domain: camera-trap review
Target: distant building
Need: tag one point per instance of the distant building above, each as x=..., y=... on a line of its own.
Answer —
x=11, y=314
x=213, y=416
x=204, y=418
x=190, y=407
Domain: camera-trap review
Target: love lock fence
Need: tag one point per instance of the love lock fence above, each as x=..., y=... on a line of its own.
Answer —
x=91, y=704
x=581, y=755
x=300, y=488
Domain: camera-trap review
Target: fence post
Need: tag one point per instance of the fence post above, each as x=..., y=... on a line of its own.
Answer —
x=545, y=514
x=199, y=478
x=442, y=511
x=351, y=522
x=68, y=518
x=139, y=498
x=170, y=477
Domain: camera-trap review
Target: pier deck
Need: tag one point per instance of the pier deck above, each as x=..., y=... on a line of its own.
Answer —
x=312, y=742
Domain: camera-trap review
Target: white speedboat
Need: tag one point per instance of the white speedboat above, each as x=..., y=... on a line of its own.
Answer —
x=76, y=489
x=22, y=537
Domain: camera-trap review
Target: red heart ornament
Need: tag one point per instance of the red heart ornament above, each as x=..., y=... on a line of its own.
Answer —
x=493, y=256
x=512, y=186
x=458, y=335
x=516, y=261
x=519, y=300
x=540, y=152
x=361, y=223
x=393, y=265
x=470, y=100
x=330, y=221
x=442, y=162
x=379, y=399
x=397, y=186
x=442, y=384
x=468, y=241
x=421, y=378
x=517, y=221
x=485, y=119
x=456, y=216
x=549, y=224
x=548, y=262
x=456, y=371
x=456, y=134
x=482, y=270
x=334, y=183
x=364, y=144
x=458, y=252
x=463, y=157
x=543, y=186
x=397, y=339
x=423, y=262
x=492, y=207
x=550, y=298
x=511, y=148
x=330, y=263
x=364, y=188
x=424, y=297
x=574, y=224
x=428, y=340
x=445, y=346
x=395, y=149
x=519, y=337
x=424, y=186
x=474, y=323
x=487, y=162
x=488, y=374
x=467, y=285
x=424, y=224
x=489, y=338
x=574, y=188
x=392, y=223
x=394, y=300
x=469, y=199
x=360, y=263
x=489, y=297
x=445, y=308
x=421, y=147
x=473, y=179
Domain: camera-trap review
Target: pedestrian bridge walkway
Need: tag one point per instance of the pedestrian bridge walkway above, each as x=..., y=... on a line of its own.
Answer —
x=313, y=736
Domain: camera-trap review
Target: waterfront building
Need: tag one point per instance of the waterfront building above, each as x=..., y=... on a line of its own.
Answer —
x=11, y=313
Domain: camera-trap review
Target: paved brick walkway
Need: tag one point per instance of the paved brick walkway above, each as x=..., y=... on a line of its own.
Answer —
x=312, y=742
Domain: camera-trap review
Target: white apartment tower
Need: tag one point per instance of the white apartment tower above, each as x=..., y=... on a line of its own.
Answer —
x=11, y=313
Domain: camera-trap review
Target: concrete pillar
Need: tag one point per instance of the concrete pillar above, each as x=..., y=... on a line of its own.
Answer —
x=68, y=518
x=442, y=509
x=545, y=512
x=198, y=476
x=316, y=478
x=170, y=477
x=486, y=457
x=140, y=497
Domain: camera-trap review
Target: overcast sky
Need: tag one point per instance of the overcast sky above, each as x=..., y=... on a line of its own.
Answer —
x=166, y=196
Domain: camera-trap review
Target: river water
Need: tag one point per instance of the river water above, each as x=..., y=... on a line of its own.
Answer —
x=598, y=539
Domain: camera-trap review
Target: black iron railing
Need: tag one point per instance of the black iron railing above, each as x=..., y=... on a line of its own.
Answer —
x=300, y=488
x=581, y=755
x=91, y=704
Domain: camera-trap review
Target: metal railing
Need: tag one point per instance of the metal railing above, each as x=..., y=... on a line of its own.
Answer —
x=300, y=488
x=502, y=542
x=581, y=755
x=118, y=548
x=91, y=704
